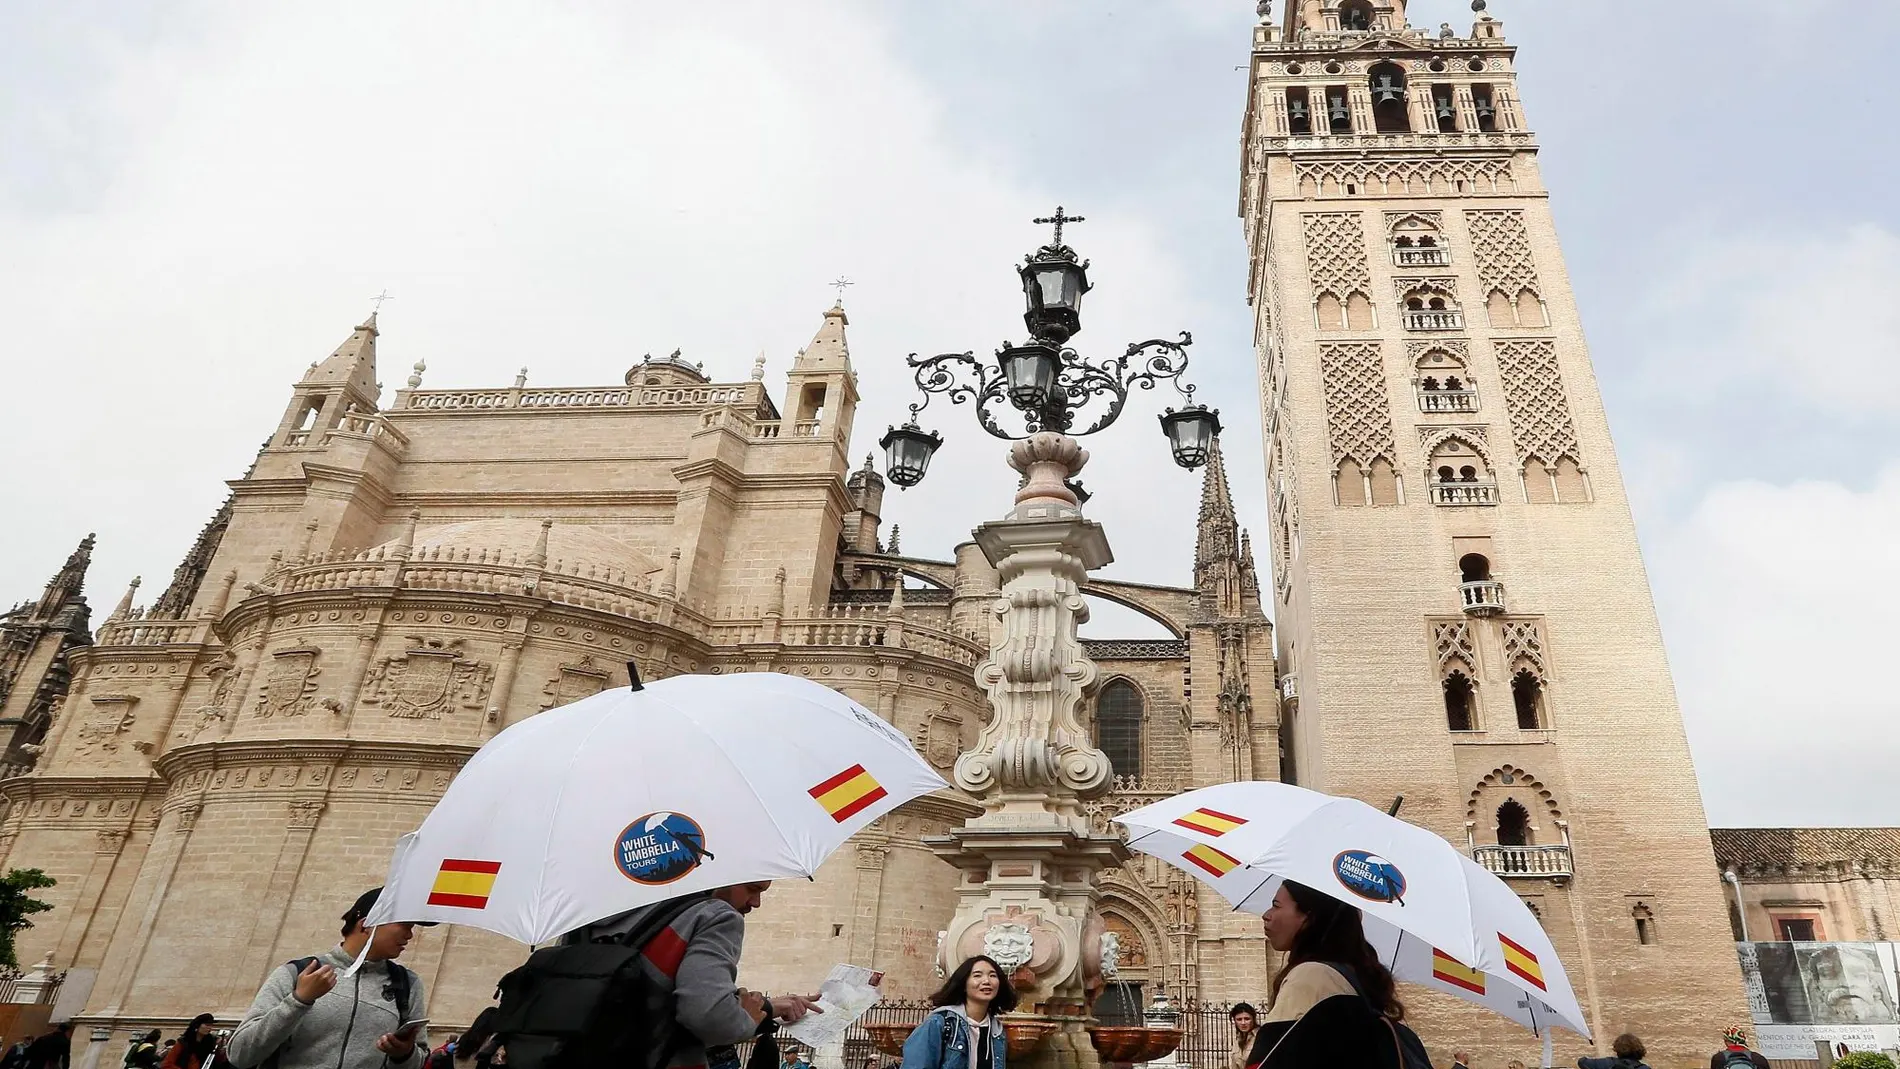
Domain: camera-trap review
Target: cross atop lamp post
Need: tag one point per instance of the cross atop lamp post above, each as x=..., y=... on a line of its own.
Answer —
x=1049, y=385
x=1030, y=864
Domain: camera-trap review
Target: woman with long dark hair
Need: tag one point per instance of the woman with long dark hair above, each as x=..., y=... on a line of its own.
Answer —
x=1333, y=1001
x=194, y=1045
x=965, y=1031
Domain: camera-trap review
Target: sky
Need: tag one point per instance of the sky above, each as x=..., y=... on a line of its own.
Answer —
x=198, y=199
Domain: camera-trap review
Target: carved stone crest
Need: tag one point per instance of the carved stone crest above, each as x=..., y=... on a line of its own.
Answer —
x=111, y=717
x=582, y=679
x=292, y=686
x=428, y=679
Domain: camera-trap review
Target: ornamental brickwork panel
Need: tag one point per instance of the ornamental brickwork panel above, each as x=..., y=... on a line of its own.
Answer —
x=1501, y=248
x=1358, y=413
x=1541, y=425
x=1336, y=253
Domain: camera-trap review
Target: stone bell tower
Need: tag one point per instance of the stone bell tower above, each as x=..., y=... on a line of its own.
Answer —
x=1462, y=611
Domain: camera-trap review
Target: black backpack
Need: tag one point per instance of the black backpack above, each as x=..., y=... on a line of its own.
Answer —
x=585, y=1005
x=1412, y=1053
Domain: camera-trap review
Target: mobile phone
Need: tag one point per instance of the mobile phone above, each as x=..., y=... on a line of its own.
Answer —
x=410, y=1028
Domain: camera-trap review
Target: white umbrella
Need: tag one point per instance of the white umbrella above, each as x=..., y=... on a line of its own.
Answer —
x=636, y=796
x=1436, y=917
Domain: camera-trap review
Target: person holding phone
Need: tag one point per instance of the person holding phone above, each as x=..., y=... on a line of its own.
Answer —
x=308, y=1015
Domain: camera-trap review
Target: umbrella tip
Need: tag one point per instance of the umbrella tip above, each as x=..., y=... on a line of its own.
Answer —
x=633, y=676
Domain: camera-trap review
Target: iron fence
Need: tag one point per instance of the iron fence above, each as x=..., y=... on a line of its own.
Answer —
x=10, y=987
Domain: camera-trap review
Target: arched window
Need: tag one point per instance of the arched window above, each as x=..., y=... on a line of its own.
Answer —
x=1390, y=115
x=1459, y=702
x=1355, y=15
x=1474, y=567
x=1118, y=726
x=1514, y=824
x=1527, y=694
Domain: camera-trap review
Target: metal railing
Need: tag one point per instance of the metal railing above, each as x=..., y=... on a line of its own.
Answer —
x=1529, y=861
x=10, y=980
x=1421, y=256
x=1476, y=492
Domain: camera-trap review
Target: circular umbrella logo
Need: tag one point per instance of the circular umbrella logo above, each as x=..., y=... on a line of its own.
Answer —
x=660, y=848
x=1370, y=876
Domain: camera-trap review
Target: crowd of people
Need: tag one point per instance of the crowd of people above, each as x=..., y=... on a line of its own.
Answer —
x=1333, y=1003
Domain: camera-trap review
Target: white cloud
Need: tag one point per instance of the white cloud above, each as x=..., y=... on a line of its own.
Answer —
x=1781, y=605
x=1806, y=316
x=564, y=190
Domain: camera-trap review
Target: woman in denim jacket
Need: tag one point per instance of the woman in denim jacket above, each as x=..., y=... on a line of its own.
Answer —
x=965, y=1031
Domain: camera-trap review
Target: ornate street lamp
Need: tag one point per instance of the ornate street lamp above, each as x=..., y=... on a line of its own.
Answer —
x=1047, y=383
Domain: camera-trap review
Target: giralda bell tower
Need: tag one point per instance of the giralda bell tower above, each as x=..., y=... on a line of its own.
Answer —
x=1462, y=611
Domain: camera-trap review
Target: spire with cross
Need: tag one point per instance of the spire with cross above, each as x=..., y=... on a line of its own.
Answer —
x=839, y=284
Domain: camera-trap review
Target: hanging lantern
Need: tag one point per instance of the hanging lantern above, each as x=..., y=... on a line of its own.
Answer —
x=1029, y=374
x=907, y=453
x=1191, y=433
x=1053, y=285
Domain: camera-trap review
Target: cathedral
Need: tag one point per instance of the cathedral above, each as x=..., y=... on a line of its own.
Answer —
x=396, y=579
x=1463, y=619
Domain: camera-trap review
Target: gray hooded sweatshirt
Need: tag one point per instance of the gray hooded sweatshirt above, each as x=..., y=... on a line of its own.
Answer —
x=692, y=967
x=338, y=1031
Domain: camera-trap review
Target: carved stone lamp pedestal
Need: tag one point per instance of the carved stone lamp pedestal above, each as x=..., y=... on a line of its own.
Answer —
x=1029, y=867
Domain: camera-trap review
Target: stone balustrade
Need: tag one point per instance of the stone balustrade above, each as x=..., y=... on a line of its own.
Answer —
x=1415, y=319
x=1447, y=400
x=1482, y=597
x=1475, y=492
x=1524, y=861
x=746, y=395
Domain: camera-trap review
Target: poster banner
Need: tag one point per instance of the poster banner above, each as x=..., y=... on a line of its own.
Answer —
x=1819, y=983
x=1795, y=1042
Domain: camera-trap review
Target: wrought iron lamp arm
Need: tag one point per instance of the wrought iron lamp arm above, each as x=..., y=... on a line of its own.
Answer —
x=939, y=375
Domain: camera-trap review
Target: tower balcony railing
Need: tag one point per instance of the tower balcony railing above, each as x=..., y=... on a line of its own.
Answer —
x=1531, y=862
x=1482, y=597
x=1447, y=400
x=1421, y=256
x=1475, y=492
x=1434, y=319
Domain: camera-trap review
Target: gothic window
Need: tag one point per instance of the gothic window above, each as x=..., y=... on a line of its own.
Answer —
x=1390, y=114
x=1459, y=474
x=1299, y=111
x=1417, y=240
x=1443, y=382
x=1118, y=726
x=1460, y=702
x=1527, y=697
x=1514, y=824
x=1429, y=307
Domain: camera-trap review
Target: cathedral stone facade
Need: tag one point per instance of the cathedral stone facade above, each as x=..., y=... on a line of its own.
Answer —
x=214, y=777
x=1463, y=616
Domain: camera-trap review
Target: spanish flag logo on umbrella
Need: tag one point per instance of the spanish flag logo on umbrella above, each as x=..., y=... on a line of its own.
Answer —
x=1450, y=970
x=846, y=794
x=1208, y=859
x=1521, y=962
x=1210, y=822
x=464, y=884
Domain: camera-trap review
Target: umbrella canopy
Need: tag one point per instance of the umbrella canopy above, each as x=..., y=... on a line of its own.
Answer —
x=632, y=797
x=1436, y=917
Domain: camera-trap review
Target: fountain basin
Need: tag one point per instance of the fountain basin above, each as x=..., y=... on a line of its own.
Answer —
x=1133, y=1043
x=1024, y=1035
